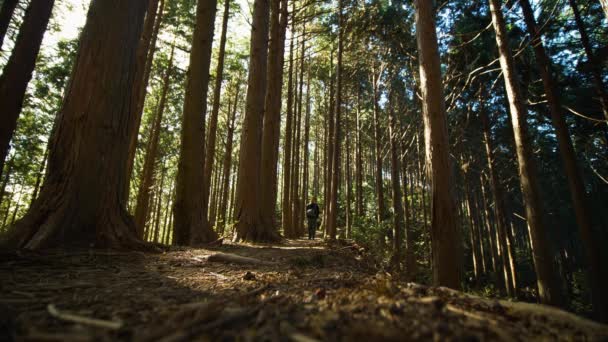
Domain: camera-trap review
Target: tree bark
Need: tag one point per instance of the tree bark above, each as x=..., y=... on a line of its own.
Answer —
x=146, y=184
x=605, y=7
x=39, y=175
x=335, y=172
x=82, y=203
x=217, y=92
x=190, y=210
x=18, y=70
x=6, y=14
x=272, y=115
x=396, y=185
x=250, y=226
x=228, y=162
x=381, y=214
x=548, y=285
x=286, y=213
x=445, y=235
x=359, y=161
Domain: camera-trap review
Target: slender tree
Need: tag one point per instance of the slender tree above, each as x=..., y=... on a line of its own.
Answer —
x=189, y=209
x=445, y=236
x=18, y=70
x=548, y=286
x=82, y=202
x=6, y=14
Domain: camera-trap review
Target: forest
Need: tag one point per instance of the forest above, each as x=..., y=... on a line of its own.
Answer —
x=303, y=170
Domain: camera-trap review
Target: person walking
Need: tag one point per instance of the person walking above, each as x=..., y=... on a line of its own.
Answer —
x=312, y=215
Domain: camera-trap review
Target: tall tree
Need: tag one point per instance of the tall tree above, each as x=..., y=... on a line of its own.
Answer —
x=272, y=114
x=597, y=276
x=396, y=187
x=286, y=214
x=146, y=184
x=217, y=92
x=189, y=209
x=250, y=226
x=18, y=70
x=548, y=286
x=82, y=202
x=6, y=14
x=445, y=235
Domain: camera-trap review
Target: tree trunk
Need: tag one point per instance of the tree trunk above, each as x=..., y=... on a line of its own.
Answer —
x=445, y=235
x=6, y=14
x=145, y=57
x=159, y=204
x=286, y=213
x=335, y=172
x=598, y=280
x=272, y=116
x=381, y=214
x=190, y=210
x=359, y=161
x=396, y=185
x=39, y=175
x=228, y=162
x=548, y=285
x=595, y=64
x=82, y=203
x=146, y=184
x=605, y=7
x=250, y=226
x=217, y=92
x=18, y=70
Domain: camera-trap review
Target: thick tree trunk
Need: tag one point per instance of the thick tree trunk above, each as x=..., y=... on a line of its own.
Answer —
x=18, y=70
x=287, y=221
x=335, y=172
x=548, y=285
x=145, y=56
x=595, y=64
x=82, y=203
x=190, y=210
x=272, y=115
x=445, y=235
x=217, y=92
x=6, y=14
x=250, y=226
x=146, y=184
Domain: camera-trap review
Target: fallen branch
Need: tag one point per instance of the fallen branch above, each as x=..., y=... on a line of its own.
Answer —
x=233, y=258
x=83, y=320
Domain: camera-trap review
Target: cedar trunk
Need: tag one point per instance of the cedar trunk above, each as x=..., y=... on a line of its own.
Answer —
x=445, y=235
x=548, y=285
x=189, y=209
x=82, y=202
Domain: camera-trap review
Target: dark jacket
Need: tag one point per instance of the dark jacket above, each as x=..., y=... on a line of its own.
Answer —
x=312, y=211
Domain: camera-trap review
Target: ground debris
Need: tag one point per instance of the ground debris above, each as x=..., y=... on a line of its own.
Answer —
x=299, y=291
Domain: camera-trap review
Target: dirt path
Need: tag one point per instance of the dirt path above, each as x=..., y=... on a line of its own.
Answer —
x=299, y=291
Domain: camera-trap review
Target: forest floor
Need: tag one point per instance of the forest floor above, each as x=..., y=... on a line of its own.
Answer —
x=298, y=291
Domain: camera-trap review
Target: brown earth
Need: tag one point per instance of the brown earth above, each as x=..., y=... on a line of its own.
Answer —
x=297, y=291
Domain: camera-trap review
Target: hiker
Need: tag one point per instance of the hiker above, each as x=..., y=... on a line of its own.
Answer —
x=312, y=214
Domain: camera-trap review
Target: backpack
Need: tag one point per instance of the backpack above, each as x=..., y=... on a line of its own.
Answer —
x=310, y=213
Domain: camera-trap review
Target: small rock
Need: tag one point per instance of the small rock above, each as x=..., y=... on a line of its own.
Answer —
x=249, y=276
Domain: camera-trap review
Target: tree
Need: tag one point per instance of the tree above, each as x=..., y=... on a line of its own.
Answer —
x=548, y=286
x=6, y=14
x=249, y=226
x=189, y=209
x=81, y=203
x=19, y=68
x=445, y=236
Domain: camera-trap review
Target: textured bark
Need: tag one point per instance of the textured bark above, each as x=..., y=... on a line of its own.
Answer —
x=598, y=280
x=217, y=92
x=18, y=70
x=146, y=183
x=286, y=215
x=145, y=56
x=82, y=203
x=250, y=226
x=272, y=115
x=335, y=172
x=190, y=210
x=595, y=64
x=445, y=235
x=6, y=14
x=548, y=286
